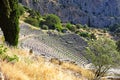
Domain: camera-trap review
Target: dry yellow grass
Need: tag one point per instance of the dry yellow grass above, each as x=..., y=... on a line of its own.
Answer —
x=78, y=69
x=30, y=67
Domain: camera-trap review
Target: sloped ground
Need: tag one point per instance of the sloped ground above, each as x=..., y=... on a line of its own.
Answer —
x=34, y=67
x=31, y=67
x=67, y=47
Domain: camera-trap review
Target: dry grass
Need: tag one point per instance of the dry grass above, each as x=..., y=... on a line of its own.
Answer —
x=30, y=67
x=78, y=69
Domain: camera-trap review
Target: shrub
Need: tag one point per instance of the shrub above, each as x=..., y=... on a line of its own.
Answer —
x=21, y=9
x=34, y=14
x=78, y=26
x=33, y=18
x=85, y=26
x=45, y=27
x=32, y=21
x=87, y=35
x=92, y=36
x=5, y=56
x=71, y=27
x=105, y=30
x=77, y=32
x=52, y=21
x=84, y=34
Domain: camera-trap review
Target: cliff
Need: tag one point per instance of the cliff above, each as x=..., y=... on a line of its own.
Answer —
x=95, y=13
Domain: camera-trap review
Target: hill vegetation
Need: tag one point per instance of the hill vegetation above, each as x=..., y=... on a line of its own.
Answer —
x=27, y=66
x=89, y=34
x=53, y=22
x=103, y=54
x=18, y=64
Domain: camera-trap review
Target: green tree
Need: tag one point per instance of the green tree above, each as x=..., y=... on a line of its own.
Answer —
x=52, y=21
x=103, y=55
x=9, y=20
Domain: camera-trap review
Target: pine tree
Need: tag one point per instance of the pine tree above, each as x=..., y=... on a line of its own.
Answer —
x=9, y=21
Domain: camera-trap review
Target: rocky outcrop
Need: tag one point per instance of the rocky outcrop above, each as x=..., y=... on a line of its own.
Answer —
x=96, y=13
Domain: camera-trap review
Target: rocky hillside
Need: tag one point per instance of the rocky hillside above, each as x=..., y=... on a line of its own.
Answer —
x=96, y=13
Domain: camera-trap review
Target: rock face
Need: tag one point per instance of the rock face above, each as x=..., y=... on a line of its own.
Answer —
x=95, y=13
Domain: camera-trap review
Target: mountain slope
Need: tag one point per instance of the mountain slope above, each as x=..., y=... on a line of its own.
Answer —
x=95, y=13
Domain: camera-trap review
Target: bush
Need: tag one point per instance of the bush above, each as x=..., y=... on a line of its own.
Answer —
x=34, y=14
x=21, y=9
x=77, y=32
x=86, y=26
x=87, y=35
x=52, y=21
x=45, y=27
x=59, y=28
x=71, y=27
x=84, y=34
x=33, y=18
x=4, y=56
x=92, y=36
x=32, y=21
x=78, y=26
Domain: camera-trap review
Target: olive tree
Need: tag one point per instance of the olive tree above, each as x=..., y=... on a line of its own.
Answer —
x=9, y=20
x=103, y=55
